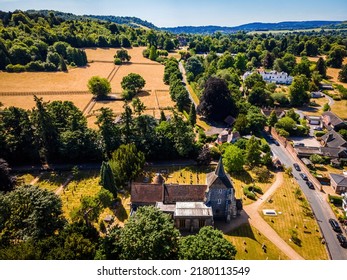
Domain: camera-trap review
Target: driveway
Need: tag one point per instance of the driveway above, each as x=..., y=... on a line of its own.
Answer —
x=308, y=141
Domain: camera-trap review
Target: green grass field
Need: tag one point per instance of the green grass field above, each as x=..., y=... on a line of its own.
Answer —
x=295, y=214
x=249, y=242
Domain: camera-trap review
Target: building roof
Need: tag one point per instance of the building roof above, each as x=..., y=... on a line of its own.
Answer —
x=146, y=193
x=220, y=174
x=229, y=120
x=278, y=111
x=184, y=193
x=333, y=139
x=192, y=209
x=331, y=119
x=166, y=207
x=307, y=150
x=340, y=180
x=331, y=152
x=306, y=161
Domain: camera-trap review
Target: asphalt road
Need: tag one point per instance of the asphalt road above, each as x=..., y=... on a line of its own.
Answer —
x=320, y=207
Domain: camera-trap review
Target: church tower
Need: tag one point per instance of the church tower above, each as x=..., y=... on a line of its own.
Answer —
x=220, y=194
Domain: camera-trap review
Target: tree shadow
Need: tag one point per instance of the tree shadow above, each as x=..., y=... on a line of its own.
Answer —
x=243, y=176
x=143, y=94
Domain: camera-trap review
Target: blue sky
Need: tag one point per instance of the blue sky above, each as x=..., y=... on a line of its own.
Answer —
x=167, y=13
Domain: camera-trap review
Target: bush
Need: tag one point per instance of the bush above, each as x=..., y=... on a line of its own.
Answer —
x=117, y=61
x=282, y=132
x=15, y=68
x=319, y=133
x=248, y=194
x=336, y=200
x=337, y=98
x=326, y=107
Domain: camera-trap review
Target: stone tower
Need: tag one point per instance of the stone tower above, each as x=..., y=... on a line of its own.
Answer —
x=220, y=194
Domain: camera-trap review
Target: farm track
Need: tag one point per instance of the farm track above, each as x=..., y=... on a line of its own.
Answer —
x=114, y=71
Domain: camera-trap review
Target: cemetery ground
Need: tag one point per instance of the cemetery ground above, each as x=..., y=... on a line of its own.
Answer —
x=295, y=222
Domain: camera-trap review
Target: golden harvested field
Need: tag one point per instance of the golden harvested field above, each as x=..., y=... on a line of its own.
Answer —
x=164, y=99
x=115, y=106
x=75, y=80
x=340, y=109
x=27, y=102
x=107, y=54
x=152, y=73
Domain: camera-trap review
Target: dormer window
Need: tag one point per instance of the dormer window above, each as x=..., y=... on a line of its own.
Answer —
x=219, y=201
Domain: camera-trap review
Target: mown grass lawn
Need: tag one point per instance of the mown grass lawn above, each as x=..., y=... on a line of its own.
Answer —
x=295, y=215
x=250, y=243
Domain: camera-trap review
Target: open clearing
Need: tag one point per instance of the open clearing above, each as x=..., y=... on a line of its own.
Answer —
x=74, y=80
x=27, y=102
x=60, y=85
x=295, y=215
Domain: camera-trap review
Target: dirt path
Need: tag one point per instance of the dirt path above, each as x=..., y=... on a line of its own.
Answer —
x=62, y=186
x=250, y=215
x=36, y=179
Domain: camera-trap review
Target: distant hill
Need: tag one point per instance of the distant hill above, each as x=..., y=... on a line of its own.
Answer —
x=255, y=26
x=130, y=21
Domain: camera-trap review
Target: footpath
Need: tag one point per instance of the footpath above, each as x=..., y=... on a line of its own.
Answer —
x=251, y=215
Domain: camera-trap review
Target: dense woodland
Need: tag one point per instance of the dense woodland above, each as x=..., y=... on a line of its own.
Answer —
x=57, y=132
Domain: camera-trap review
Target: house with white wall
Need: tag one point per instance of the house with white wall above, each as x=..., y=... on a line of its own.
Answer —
x=272, y=77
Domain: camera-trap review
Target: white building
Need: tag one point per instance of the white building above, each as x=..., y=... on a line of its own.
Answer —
x=272, y=77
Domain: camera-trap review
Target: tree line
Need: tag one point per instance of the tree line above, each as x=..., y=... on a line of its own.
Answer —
x=38, y=42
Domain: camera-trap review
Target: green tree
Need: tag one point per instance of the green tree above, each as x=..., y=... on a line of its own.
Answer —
x=240, y=62
x=258, y=96
x=233, y=158
x=297, y=91
x=153, y=53
x=107, y=178
x=252, y=154
x=126, y=163
x=208, y=244
x=138, y=105
x=321, y=67
x=216, y=102
x=99, y=87
x=149, y=235
x=225, y=61
x=122, y=55
x=272, y=120
x=29, y=212
x=194, y=66
x=343, y=74
x=316, y=159
x=192, y=115
x=132, y=84
x=110, y=133
x=7, y=182
x=336, y=55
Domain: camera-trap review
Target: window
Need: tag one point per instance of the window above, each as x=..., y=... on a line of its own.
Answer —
x=220, y=191
x=182, y=223
x=219, y=201
x=201, y=223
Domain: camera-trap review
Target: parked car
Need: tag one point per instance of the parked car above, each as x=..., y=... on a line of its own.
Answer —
x=297, y=167
x=342, y=240
x=335, y=225
x=276, y=143
x=318, y=128
x=270, y=137
x=310, y=185
x=303, y=176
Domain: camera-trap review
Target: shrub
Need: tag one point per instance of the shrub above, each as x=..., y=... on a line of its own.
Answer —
x=282, y=132
x=117, y=61
x=319, y=133
x=15, y=68
x=326, y=107
x=336, y=200
x=248, y=194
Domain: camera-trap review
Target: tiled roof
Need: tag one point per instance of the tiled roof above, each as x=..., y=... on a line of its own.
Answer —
x=174, y=193
x=146, y=193
x=331, y=118
x=340, y=180
x=220, y=174
x=333, y=139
